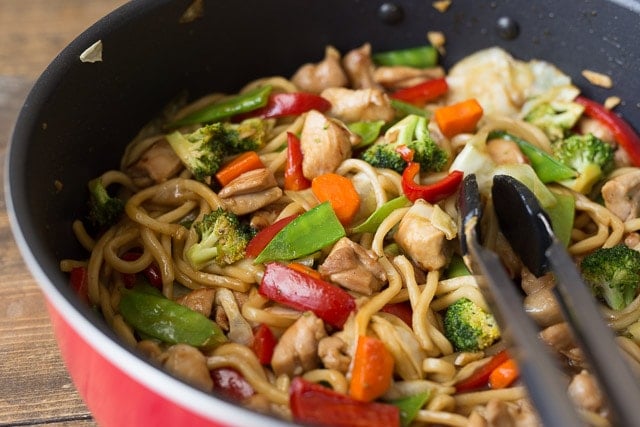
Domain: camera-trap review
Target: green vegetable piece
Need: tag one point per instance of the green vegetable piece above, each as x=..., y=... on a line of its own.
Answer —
x=417, y=57
x=242, y=103
x=469, y=327
x=456, y=268
x=308, y=233
x=546, y=166
x=404, y=109
x=562, y=215
x=104, y=210
x=368, y=131
x=156, y=316
x=410, y=405
x=371, y=224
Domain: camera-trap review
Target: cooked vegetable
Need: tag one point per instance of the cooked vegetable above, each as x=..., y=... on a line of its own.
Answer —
x=404, y=109
x=613, y=274
x=422, y=92
x=150, y=313
x=309, y=232
x=480, y=377
x=290, y=104
x=294, y=179
x=222, y=239
x=264, y=236
x=374, y=220
x=458, y=118
x=409, y=406
x=407, y=140
x=80, y=283
x=555, y=118
x=104, y=210
x=231, y=384
x=264, y=342
x=431, y=193
x=504, y=374
x=305, y=293
x=418, y=57
x=202, y=151
x=372, y=371
x=340, y=192
x=469, y=327
x=245, y=162
x=368, y=131
x=248, y=135
x=591, y=157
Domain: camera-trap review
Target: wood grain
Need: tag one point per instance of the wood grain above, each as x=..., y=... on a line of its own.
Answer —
x=35, y=387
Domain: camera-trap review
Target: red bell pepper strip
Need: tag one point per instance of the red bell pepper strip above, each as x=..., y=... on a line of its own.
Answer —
x=231, y=384
x=264, y=342
x=152, y=272
x=431, y=193
x=480, y=377
x=293, y=177
x=303, y=292
x=314, y=404
x=422, y=92
x=80, y=283
x=624, y=134
x=264, y=236
x=290, y=104
x=402, y=310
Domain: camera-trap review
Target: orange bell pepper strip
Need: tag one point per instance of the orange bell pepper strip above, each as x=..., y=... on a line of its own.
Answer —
x=245, y=162
x=294, y=179
x=504, y=374
x=340, y=192
x=458, y=118
x=372, y=370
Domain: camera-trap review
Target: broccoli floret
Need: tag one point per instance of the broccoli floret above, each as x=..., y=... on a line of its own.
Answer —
x=202, y=151
x=469, y=327
x=248, y=135
x=591, y=157
x=555, y=118
x=410, y=133
x=613, y=274
x=104, y=210
x=223, y=239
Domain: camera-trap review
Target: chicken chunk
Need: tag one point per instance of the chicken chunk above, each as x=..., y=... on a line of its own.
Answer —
x=353, y=267
x=584, y=392
x=200, y=300
x=359, y=68
x=351, y=105
x=188, y=363
x=333, y=352
x=253, y=181
x=622, y=195
x=425, y=243
x=397, y=77
x=315, y=78
x=246, y=203
x=543, y=307
x=297, y=350
x=156, y=165
x=324, y=144
x=504, y=151
x=559, y=337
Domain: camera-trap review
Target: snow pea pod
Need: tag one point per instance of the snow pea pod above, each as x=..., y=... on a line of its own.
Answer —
x=308, y=233
x=371, y=224
x=418, y=57
x=151, y=314
x=410, y=405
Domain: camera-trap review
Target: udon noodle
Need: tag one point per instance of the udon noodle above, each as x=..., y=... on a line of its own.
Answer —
x=163, y=200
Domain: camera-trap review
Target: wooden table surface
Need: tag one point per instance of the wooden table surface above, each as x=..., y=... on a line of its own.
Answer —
x=35, y=389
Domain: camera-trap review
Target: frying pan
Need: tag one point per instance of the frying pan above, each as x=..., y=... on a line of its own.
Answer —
x=79, y=116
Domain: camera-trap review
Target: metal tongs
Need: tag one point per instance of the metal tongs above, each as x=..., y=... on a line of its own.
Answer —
x=528, y=229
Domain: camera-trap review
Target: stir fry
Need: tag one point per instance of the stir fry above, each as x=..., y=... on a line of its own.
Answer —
x=293, y=247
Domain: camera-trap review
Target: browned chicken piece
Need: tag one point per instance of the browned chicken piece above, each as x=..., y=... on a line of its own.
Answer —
x=150, y=349
x=360, y=68
x=584, y=392
x=297, y=349
x=200, y=300
x=246, y=203
x=397, y=77
x=509, y=258
x=263, y=218
x=425, y=244
x=588, y=125
x=531, y=284
x=351, y=105
x=543, y=307
x=622, y=195
x=249, y=182
x=560, y=338
x=352, y=266
x=333, y=352
x=188, y=363
x=498, y=413
x=503, y=151
x=158, y=164
x=315, y=78
x=324, y=144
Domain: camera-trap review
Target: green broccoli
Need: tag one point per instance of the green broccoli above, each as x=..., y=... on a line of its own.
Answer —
x=555, y=118
x=613, y=274
x=248, y=135
x=202, y=151
x=409, y=133
x=222, y=239
x=591, y=157
x=469, y=327
x=104, y=210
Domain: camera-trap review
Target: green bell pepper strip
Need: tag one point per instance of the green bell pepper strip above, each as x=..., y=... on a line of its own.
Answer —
x=368, y=131
x=371, y=224
x=417, y=57
x=404, y=109
x=306, y=234
x=546, y=166
x=156, y=316
x=562, y=215
x=409, y=406
x=243, y=103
